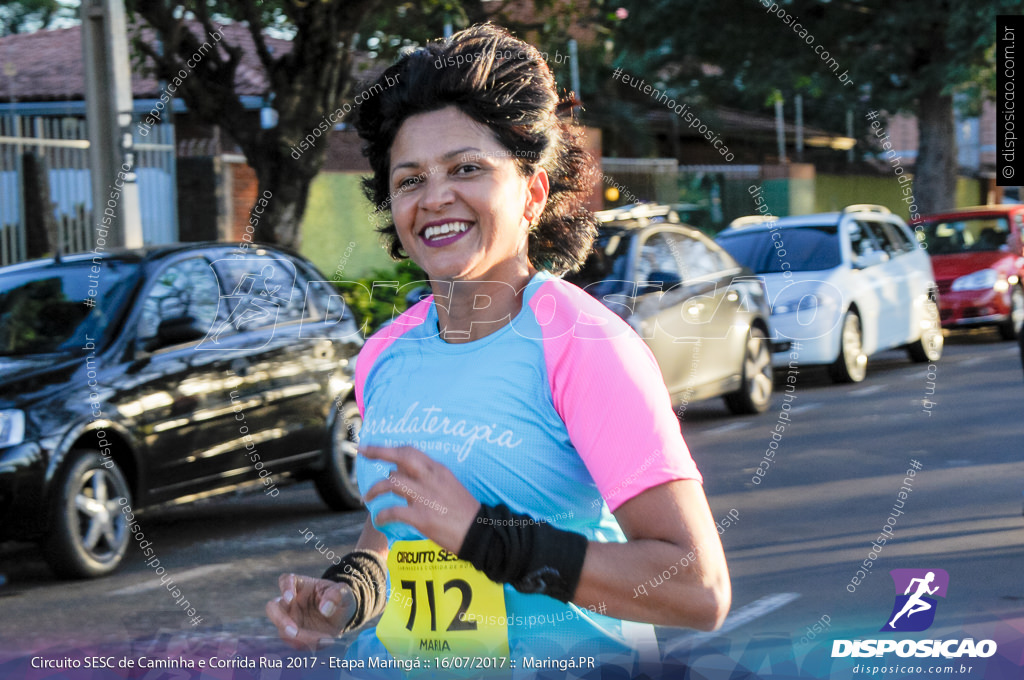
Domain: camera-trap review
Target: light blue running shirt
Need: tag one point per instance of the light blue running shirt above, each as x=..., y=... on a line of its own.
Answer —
x=562, y=414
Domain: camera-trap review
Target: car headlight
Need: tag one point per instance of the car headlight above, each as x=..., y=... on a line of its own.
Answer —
x=12, y=427
x=803, y=304
x=979, y=280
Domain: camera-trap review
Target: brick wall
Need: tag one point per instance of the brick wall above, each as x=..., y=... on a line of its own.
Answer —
x=244, y=191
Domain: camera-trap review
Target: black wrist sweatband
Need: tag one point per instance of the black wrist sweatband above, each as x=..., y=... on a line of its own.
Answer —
x=365, y=573
x=516, y=549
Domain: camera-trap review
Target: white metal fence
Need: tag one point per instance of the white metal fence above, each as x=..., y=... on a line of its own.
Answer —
x=62, y=147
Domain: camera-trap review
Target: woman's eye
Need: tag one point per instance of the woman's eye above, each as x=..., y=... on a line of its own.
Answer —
x=466, y=168
x=410, y=182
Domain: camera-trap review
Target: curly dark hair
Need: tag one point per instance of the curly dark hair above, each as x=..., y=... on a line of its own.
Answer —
x=505, y=84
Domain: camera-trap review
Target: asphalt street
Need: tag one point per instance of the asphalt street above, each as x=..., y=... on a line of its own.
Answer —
x=793, y=541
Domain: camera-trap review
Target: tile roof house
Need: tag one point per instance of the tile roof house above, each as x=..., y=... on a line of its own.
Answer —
x=42, y=80
x=41, y=69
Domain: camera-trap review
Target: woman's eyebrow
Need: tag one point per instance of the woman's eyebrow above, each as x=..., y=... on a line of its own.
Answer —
x=457, y=152
x=401, y=166
x=446, y=157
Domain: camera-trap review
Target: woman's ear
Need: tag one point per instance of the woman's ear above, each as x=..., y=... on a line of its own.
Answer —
x=537, y=189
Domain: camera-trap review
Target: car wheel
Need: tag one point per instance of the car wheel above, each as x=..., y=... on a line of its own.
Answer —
x=89, y=534
x=928, y=347
x=852, y=364
x=1008, y=329
x=336, y=484
x=755, y=392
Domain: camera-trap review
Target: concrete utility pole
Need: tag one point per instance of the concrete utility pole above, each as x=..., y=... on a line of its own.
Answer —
x=798, y=104
x=780, y=131
x=108, y=96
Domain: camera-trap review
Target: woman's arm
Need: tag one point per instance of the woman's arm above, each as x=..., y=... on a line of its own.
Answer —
x=372, y=540
x=672, y=572
x=669, y=528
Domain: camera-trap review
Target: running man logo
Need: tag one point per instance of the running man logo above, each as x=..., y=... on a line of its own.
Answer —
x=914, y=609
x=261, y=289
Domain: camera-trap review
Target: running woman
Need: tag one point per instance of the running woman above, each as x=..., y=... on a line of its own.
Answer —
x=523, y=468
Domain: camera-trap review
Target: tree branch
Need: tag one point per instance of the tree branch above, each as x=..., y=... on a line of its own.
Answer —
x=252, y=18
x=203, y=15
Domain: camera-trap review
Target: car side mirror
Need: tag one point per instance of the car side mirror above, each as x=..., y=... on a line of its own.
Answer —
x=870, y=259
x=176, y=331
x=658, y=281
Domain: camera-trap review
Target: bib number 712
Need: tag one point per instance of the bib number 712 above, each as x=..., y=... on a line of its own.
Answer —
x=459, y=621
x=440, y=605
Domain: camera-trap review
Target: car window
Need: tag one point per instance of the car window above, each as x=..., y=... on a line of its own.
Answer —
x=899, y=236
x=725, y=260
x=696, y=259
x=55, y=308
x=657, y=261
x=186, y=289
x=862, y=241
x=798, y=249
x=300, y=305
x=606, y=264
x=882, y=239
x=263, y=291
x=318, y=303
x=948, y=237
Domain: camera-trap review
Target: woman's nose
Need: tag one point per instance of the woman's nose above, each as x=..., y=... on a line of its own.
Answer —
x=437, y=192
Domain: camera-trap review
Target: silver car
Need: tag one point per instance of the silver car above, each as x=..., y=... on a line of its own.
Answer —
x=704, y=316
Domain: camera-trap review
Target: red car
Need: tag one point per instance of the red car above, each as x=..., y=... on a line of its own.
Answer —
x=978, y=258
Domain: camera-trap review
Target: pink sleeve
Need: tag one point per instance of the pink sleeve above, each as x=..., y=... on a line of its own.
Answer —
x=382, y=339
x=610, y=394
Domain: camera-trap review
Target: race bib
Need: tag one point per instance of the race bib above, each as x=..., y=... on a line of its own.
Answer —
x=440, y=605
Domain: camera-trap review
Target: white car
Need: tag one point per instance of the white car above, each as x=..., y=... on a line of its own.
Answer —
x=842, y=285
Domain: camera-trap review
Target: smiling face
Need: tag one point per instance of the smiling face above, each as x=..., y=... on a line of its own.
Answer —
x=461, y=208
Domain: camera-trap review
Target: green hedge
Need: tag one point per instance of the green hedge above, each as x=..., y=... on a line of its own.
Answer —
x=376, y=304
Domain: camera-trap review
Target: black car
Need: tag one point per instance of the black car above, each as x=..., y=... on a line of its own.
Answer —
x=704, y=316
x=136, y=378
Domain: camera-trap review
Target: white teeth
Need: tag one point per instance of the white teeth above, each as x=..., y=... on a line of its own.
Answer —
x=444, y=229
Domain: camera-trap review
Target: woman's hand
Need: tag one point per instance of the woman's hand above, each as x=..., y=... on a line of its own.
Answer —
x=439, y=506
x=310, y=610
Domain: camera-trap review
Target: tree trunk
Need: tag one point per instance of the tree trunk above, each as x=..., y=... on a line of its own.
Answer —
x=306, y=84
x=936, y=168
x=41, y=236
x=284, y=184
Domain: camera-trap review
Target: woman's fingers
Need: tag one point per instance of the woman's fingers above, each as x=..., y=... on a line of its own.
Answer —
x=379, y=489
x=288, y=584
x=286, y=626
x=437, y=504
x=338, y=604
x=310, y=610
x=413, y=489
x=309, y=640
x=402, y=486
x=409, y=460
x=389, y=454
x=399, y=513
x=414, y=493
